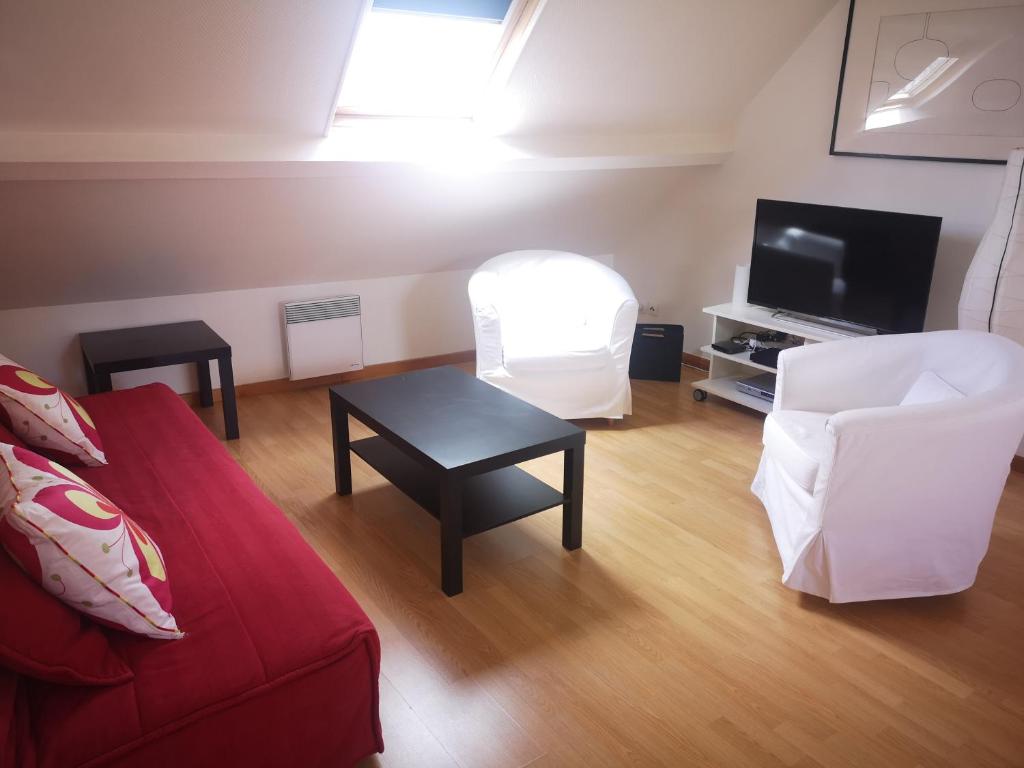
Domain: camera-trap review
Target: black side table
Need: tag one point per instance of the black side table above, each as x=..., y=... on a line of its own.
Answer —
x=152, y=346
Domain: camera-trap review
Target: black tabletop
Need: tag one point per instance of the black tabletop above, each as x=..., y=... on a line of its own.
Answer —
x=152, y=341
x=452, y=417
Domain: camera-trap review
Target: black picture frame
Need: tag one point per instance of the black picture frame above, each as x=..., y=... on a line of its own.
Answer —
x=882, y=156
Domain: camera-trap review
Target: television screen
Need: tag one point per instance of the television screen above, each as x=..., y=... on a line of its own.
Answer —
x=868, y=268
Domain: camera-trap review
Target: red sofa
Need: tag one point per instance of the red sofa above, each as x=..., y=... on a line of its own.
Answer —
x=279, y=666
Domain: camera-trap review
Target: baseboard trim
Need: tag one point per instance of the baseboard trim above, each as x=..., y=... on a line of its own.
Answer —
x=696, y=361
x=369, y=372
x=1017, y=464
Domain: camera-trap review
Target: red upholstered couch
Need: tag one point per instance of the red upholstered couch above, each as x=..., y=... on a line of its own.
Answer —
x=279, y=666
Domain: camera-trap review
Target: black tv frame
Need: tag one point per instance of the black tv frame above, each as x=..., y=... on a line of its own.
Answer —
x=841, y=322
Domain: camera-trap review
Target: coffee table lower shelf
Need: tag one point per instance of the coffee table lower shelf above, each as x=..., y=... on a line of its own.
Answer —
x=489, y=499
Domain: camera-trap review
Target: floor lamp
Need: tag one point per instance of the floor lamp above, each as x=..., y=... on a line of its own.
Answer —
x=993, y=294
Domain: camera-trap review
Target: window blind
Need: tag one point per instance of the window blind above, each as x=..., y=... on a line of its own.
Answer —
x=487, y=10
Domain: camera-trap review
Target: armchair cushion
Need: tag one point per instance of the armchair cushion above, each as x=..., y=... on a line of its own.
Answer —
x=555, y=361
x=931, y=388
x=557, y=349
x=798, y=441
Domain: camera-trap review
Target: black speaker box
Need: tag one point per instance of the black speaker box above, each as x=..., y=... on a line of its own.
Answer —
x=657, y=352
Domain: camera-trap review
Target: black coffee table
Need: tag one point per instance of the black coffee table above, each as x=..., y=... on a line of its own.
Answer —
x=151, y=346
x=449, y=441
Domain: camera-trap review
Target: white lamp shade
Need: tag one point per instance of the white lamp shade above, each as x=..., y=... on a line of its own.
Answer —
x=993, y=293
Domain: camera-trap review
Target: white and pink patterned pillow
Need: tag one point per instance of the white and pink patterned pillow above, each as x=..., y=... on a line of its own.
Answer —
x=81, y=547
x=46, y=418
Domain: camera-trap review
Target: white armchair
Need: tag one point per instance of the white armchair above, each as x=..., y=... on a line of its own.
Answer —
x=556, y=330
x=870, y=499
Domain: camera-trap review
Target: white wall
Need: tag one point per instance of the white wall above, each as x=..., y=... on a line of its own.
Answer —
x=92, y=251
x=683, y=257
x=69, y=242
x=88, y=255
x=403, y=317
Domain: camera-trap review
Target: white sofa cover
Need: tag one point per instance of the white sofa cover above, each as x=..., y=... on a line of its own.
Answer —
x=869, y=499
x=556, y=330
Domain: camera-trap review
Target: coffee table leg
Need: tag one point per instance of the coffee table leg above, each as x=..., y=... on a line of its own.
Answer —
x=205, y=384
x=572, y=508
x=342, y=457
x=451, y=535
x=227, y=394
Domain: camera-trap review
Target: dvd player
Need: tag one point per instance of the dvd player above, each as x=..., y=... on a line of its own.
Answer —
x=762, y=386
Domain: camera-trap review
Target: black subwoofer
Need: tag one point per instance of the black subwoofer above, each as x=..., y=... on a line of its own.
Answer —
x=657, y=352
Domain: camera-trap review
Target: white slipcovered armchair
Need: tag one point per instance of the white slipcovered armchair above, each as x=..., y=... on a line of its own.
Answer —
x=870, y=499
x=555, y=329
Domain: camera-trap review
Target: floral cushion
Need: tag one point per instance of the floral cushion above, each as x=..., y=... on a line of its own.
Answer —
x=46, y=418
x=81, y=547
x=6, y=436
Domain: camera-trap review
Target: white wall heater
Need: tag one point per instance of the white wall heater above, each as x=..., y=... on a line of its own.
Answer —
x=323, y=336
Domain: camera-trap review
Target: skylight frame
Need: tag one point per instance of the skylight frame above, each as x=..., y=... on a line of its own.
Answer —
x=515, y=29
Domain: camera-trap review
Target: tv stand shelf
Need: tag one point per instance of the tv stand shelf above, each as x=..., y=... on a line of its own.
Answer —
x=762, y=318
x=732, y=320
x=743, y=358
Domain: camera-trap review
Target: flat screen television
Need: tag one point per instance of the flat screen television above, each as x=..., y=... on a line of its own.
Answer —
x=849, y=265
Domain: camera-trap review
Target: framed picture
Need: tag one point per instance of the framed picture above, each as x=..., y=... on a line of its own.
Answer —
x=932, y=80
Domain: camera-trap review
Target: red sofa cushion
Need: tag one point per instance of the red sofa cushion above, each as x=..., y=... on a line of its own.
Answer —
x=265, y=620
x=8, y=720
x=43, y=638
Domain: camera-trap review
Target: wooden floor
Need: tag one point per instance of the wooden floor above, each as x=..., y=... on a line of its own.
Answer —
x=668, y=639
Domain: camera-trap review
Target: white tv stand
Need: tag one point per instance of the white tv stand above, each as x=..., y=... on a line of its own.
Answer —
x=732, y=320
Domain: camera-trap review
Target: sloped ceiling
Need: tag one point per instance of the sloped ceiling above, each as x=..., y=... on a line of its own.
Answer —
x=206, y=66
x=273, y=66
x=653, y=66
x=72, y=242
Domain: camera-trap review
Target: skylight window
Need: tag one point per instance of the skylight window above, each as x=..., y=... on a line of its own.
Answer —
x=429, y=58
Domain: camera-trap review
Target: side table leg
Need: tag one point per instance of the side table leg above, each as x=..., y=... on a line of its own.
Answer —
x=342, y=457
x=90, y=378
x=572, y=508
x=205, y=385
x=227, y=393
x=451, y=535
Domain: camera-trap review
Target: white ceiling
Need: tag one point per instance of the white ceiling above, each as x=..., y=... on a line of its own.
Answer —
x=171, y=66
x=654, y=65
x=272, y=66
x=191, y=67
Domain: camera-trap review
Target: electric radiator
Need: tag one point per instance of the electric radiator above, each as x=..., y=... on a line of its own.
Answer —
x=323, y=336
